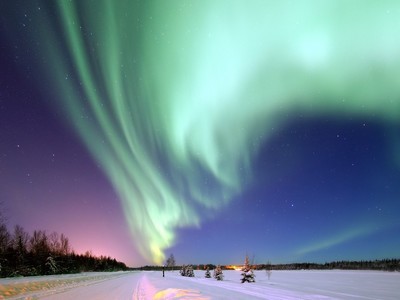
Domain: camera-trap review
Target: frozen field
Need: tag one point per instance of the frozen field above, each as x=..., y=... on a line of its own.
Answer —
x=334, y=284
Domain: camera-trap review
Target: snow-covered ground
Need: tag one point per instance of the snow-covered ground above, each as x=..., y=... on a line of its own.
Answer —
x=336, y=284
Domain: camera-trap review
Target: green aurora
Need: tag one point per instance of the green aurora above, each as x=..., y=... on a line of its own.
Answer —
x=174, y=98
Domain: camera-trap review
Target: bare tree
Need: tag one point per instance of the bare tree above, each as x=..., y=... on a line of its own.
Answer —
x=3, y=219
x=39, y=243
x=54, y=243
x=268, y=269
x=171, y=262
x=4, y=234
x=4, y=238
x=20, y=240
x=65, y=248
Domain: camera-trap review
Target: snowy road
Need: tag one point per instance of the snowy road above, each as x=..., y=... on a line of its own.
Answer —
x=121, y=287
x=283, y=285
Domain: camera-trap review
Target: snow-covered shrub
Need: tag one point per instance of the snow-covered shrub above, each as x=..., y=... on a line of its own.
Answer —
x=207, y=274
x=189, y=271
x=183, y=270
x=247, y=272
x=218, y=273
x=51, y=265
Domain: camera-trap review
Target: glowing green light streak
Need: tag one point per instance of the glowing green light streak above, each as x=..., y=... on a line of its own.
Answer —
x=362, y=229
x=202, y=86
x=127, y=164
x=334, y=240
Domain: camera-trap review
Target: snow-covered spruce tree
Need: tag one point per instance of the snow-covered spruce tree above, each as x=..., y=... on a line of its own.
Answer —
x=207, y=274
x=218, y=273
x=51, y=265
x=183, y=270
x=247, y=272
x=189, y=271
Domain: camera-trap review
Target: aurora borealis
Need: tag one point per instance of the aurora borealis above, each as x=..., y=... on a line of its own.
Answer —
x=199, y=113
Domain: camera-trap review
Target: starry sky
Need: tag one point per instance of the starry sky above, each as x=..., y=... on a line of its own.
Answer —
x=207, y=129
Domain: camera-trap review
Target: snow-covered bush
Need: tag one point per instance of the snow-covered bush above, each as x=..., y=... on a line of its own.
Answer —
x=207, y=274
x=51, y=265
x=218, y=273
x=247, y=272
x=182, y=271
x=187, y=271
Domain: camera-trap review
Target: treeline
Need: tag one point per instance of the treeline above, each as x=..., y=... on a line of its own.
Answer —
x=379, y=265
x=22, y=254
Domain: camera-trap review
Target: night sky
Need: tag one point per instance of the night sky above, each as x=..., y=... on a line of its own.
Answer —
x=207, y=129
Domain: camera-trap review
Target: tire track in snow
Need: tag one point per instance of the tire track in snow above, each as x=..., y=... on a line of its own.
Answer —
x=144, y=289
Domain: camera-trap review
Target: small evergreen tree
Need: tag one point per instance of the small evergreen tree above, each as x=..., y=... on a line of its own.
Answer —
x=183, y=270
x=208, y=274
x=189, y=271
x=247, y=272
x=51, y=265
x=218, y=273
